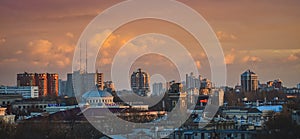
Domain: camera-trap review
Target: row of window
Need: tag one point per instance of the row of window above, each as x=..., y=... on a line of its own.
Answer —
x=33, y=106
x=100, y=101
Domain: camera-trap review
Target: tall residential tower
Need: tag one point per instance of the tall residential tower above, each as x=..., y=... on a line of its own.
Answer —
x=140, y=83
x=249, y=81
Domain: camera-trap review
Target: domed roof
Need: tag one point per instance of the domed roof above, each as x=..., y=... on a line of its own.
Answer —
x=96, y=93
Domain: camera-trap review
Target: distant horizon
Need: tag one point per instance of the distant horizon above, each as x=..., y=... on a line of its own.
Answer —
x=260, y=82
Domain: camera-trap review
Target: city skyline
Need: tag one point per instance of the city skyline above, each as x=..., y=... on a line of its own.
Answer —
x=36, y=37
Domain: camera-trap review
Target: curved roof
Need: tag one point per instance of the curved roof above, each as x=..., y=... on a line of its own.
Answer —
x=96, y=93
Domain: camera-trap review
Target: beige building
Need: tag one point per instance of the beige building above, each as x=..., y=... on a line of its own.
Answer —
x=6, y=118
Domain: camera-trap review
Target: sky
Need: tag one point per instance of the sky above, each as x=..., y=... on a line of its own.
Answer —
x=261, y=35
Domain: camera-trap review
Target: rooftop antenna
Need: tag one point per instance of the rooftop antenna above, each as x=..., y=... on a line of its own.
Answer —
x=86, y=56
x=80, y=57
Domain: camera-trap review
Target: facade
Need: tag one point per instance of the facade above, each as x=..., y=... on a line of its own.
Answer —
x=85, y=82
x=272, y=85
x=69, y=85
x=192, y=81
x=248, y=118
x=99, y=80
x=212, y=134
x=157, y=89
x=26, y=91
x=176, y=96
x=277, y=84
x=298, y=85
x=46, y=82
x=6, y=118
x=62, y=87
x=98, y=98
x=249, y=81
x=32, y=105
x=140, y=83
x=109, y=86
x=206, y=84
x=52, y=84
x=8, y=99
x=41, y=82
x=26, y=79
x=217, y=97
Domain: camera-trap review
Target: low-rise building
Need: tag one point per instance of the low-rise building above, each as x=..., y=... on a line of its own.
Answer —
x=8, y=99
x=26, y=91
x=31, y=106
x=6, y=118
x=248, y=118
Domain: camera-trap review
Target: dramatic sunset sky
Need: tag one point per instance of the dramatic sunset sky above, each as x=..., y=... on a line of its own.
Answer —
x=262, y=35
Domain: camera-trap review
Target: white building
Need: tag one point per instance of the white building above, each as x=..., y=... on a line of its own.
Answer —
x=26, y=91
x=192, y=81
x=6, y=118
x=217, y=97
x=158, y=89
x=98, y=98
x=84, y=82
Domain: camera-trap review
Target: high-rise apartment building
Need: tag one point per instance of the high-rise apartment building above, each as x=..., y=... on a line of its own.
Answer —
x=46, y=82
x=62, y=87
x=140, y=83
x=26, y=79
x=84, y=82
x=192, y=81
x=99, y=80
x=157, y=89
x=249, y=81
x=52, y=84
x=69, y=85
x=217, y=97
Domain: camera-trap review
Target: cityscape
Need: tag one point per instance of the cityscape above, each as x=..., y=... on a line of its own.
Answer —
x=250, y=109
x=194, y=70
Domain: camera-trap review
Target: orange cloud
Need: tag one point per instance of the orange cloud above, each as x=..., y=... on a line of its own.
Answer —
x=19, y=52
x=46, y=53
x=251, y=59
x=105, y=61
x=293, y=57
x=229, y=58
x=223, y=36
x=9, y=60
x=198, y=64
x=70, y=35
x=40, y=47
x=95, y=41
x=2, y=40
